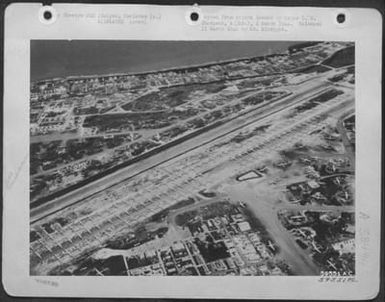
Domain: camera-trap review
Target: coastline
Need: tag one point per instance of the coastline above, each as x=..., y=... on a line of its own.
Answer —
x=169, y=68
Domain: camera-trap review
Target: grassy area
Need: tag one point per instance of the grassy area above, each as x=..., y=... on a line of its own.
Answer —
x=168, y=98
x=211, y=251
x=343, y=57
x=158, y=217
x=239, y=138
x=262, y=97
x=322, y=98
x=183, y=218
x=212, y=210
x=315, y=68
x=137, y=120
x=147, y=102
x=120, y=121
x=139, y=236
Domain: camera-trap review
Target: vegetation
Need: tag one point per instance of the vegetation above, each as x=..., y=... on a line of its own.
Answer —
x=315, y=68
x=158, y=217
x=167, y=98
x=343, y=57
x=322, y=98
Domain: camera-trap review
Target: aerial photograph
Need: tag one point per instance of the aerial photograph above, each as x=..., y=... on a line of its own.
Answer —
x=192, y=158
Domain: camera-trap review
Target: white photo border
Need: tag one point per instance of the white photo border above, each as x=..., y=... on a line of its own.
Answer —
x=22, y=25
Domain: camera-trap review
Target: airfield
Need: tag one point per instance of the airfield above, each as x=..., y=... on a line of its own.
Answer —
x=307, y=119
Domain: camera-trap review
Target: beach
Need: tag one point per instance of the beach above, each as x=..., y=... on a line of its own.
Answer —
x=62, y=58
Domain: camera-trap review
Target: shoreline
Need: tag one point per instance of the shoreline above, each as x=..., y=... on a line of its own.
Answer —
x=167, y=69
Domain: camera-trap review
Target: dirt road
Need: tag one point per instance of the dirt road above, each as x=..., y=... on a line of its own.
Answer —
x=263, y=206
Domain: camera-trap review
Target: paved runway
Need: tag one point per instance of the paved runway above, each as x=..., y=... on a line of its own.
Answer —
x=302, y=93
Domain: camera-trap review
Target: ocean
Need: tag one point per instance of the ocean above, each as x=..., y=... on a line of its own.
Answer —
x=62, y=58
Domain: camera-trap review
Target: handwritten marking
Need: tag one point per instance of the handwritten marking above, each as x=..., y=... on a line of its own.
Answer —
x=12, y=176
x=364, y=215
x=337, y=279
x=47, y=282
